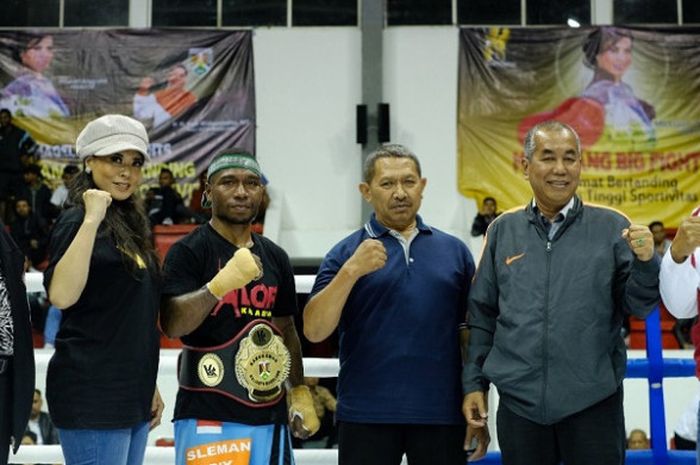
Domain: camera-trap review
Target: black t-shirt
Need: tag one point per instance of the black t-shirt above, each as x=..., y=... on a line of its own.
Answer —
x=189, y=265
x=103, y=372
x=13, y=143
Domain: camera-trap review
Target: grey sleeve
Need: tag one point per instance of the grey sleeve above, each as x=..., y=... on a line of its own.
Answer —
x=481, y=318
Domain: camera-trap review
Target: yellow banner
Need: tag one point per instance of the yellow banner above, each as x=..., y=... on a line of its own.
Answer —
x=631, y=94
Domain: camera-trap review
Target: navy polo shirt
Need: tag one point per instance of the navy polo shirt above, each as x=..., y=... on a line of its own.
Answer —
x=400, y=359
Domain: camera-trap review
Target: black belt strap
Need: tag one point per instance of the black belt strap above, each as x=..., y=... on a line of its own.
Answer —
x=188, y=369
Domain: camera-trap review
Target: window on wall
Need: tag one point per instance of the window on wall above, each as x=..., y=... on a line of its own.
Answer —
x=645, y=11
x=24, y=13
x=691, y=11
x=254, y=12
x=184, y=13
x=558, y=12
x=92, y=13
x=488, y=12
x=324, y=12
x=417, y=12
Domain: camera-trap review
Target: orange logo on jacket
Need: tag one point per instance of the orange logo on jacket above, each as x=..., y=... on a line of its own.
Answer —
x=513, y=258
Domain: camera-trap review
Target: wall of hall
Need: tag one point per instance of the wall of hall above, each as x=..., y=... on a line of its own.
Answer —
x=308, y=81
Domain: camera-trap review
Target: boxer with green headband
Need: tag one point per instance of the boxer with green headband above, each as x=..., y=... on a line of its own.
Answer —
x=231, y=160
x=241, y=348
x=241, y=160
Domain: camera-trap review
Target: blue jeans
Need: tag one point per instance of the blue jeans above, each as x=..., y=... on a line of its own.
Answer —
x=104, y=446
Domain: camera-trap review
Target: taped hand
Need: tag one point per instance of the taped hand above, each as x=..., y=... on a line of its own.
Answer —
x=238, y=271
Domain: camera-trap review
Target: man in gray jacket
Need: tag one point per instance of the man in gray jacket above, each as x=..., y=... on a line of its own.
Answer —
x=556, y=279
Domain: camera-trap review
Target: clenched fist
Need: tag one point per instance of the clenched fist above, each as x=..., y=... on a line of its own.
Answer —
x=239, y=270
x=640, y=240
x=96, y=204
x=369, y=256
x=687, y=239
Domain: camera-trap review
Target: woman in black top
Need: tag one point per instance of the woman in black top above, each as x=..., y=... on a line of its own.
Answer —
x=103, y=273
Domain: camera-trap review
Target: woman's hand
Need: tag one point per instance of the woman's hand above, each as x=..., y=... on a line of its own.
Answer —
x=96, y=203
x=157, y=407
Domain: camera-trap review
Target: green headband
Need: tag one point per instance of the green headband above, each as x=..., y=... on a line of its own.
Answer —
x=231, y=161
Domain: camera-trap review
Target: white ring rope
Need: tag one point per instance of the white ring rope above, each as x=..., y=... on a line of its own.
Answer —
x=320, y=367
x=162, y=455
x=34, y=281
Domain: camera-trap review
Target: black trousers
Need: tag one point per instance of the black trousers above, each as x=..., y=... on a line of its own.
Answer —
x=683, y=444
x=594, y=436
x=385, y=444
x=6, y=402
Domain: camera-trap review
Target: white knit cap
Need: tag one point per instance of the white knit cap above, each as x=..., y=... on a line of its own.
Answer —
x=111, y=134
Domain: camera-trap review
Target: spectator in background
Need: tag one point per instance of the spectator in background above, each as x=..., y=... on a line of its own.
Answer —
x=661, y=242
x=29, y=439
x=164, y=204
x=259, y=220
x=200, y=214
x=638, y=440
x=60, y=194
x=14, y=142
x=30, y=232
x=40, y=423
x=486, y=215
x=325, y=405
x=37, y=194
x=682, y=330
x=685, y=432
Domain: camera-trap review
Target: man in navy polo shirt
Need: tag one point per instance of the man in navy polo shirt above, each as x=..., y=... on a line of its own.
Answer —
x=396, y=290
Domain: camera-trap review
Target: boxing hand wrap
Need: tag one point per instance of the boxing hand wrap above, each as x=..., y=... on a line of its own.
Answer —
x=301, y=405
x=238, y=271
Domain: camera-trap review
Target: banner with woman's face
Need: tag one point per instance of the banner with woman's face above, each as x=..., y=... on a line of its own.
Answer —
x=193, y=89
x=629, y=93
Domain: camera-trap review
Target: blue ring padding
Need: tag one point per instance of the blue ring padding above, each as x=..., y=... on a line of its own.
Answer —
x=681, y=457
x=672, y=368
x=633, y=457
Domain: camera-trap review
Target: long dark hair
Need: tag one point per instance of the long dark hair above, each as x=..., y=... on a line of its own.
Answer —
x=600, y=40
x=125, y=222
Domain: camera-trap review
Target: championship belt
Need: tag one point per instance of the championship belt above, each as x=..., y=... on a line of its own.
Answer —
x=250, y=368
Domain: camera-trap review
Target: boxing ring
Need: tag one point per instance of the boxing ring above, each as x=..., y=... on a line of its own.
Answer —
x=654, y=368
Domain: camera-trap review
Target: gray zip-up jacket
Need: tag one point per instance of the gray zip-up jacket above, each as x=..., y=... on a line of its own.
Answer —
x=545, y=315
